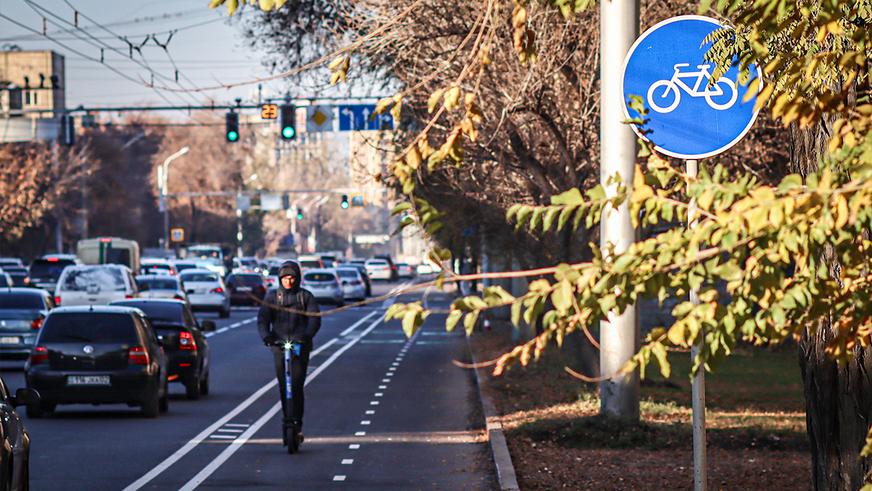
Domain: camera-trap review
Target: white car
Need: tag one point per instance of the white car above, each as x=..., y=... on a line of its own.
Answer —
x=378, y=269
x=156, y=266
x=353, y=287
x=160, y=286
x=405, y=270
x=95, y=285
x=324, y=285
x=206, y=291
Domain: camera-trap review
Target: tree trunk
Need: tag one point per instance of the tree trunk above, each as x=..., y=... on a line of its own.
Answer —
x=838, y=400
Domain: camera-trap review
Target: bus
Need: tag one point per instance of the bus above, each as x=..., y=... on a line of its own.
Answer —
x=109, y=250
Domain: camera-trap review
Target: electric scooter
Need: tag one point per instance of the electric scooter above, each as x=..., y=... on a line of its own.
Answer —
x=291, y=436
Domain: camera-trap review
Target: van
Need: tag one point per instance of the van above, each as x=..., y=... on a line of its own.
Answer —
x=95, y=285
x=109, y=250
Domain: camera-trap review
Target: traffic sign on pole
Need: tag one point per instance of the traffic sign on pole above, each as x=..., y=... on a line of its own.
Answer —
x=690, y=115
x=360, y=117
x=177, y=234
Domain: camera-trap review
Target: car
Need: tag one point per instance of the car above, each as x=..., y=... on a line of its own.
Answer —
x=328, y=260
x=22, y=312
x=19, y=275
x=160, y=286
x=363, y=274
x=310, y=262
x=353, y=286
x=156, y=266
x=6, y=280
x=182, y=265
x=379, y=269
x=45, y=271
x=245, y=264
x=206, y=291
x=97, y=284
x=324, y=285
x=98, y=355
x=10, y=262
x=15, y=447
x=394, y=275
x=405, y=271
x=246, y=288
x=183, y=341
x=426, y=268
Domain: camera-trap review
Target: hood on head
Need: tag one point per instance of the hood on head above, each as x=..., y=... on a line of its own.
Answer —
x=290, y=268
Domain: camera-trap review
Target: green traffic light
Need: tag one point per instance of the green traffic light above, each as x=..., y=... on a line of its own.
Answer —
x=232, y=136
x=299, y=216
x=288, y=132
x=344, y=205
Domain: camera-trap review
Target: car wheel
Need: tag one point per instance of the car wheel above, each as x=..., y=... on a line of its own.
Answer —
x=151, y=406
x=225, y=313
x=192, y=389
x=204, y=385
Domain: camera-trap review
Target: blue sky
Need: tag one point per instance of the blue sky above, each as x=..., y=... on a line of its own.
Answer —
x=206, y=48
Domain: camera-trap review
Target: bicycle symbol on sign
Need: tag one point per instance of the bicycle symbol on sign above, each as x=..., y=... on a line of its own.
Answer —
x=668, y=100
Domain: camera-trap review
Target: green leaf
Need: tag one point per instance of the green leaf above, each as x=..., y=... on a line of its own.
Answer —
x=411, y=321
x=550, y=215
x=405, y=205
x=572, y=197
x=516, y=313
x=561, y=297
x=452, y=320
x=469, y=322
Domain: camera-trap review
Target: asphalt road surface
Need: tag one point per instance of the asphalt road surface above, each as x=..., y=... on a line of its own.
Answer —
x=382, y=412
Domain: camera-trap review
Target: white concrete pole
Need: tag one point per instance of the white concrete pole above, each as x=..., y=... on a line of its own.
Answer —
x=619, y=336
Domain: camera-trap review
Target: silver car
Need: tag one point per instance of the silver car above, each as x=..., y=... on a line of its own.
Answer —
x=324, y=285
x=353, y=286
x=206, y=291
x=160, y=286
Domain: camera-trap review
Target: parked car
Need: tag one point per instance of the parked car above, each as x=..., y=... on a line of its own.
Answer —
x=246, y=288
x=19, y=275
x=353, y=287
x=324, y=285
x=206, y=291
x=14, y=438
x=22, y=312
x=379, y=269
x=44, y=272
x=156, y=266
x=181, y=336
x=160, y=286
x=405, y=271
x=95, y=285
x=363, y=274
x=97, y=355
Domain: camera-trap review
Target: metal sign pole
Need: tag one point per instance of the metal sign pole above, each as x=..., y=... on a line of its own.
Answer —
x=698, y=383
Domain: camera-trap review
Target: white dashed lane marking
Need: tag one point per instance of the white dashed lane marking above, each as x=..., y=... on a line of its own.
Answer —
x=338, y=478
x=354, y=446
x=347, y=461
x=365, y=422
x=359, y=433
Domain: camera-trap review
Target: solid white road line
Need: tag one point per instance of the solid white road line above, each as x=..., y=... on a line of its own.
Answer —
x=239, y=442
x=222, y=437
x=240, y=425
x=203, y=435
x=354, y=326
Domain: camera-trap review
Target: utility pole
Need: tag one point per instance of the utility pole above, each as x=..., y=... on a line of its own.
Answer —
x=619, y=335
x=162, y=181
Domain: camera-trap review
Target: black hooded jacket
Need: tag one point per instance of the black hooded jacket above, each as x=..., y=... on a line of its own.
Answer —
x=279, y=323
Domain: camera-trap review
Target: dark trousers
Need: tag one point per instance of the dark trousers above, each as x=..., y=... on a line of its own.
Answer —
x=299, y=365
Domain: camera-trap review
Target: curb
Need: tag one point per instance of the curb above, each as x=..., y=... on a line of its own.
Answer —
x=496, y=438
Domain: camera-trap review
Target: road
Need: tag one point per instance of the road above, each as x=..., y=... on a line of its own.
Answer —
x=382, y=412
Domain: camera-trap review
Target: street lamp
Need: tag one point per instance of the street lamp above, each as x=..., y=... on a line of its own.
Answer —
x=239, y=234
x=162, y=180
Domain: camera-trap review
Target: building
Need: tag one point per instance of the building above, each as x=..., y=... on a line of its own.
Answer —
x=32, y=95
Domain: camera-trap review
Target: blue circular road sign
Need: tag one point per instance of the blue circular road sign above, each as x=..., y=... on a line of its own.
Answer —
x=688, y=116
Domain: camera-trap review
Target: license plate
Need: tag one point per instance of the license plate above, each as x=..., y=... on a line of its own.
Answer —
x=243, y=289
x=10, y=340
x=88, y=380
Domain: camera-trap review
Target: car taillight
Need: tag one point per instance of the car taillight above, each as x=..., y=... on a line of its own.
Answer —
x=217, y=290
x=57, y=299
x=186, y=341
x=38, y=355
x=129, y=295
x=179, y=297
x=137, y=355
x=37, y=323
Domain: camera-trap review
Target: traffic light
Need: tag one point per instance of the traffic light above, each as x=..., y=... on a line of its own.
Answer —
x=231, y=123
x=344, y=203
x=286, y=202
x=299, y=213
x=287, y=122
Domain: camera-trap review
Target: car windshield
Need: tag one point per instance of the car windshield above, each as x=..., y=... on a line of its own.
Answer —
x=9, y=262
x=184, y=266
x=157, y=284
x=163, y=267
x=195, y=277
x=319, y=277
x=159, y=312
x=14, y=300
x=245, y=279
x=310, y=264
x=46, y=268
x=15, y=269
x=88, y=328
x=377, y=263
x=106, y=279
x=347, y=273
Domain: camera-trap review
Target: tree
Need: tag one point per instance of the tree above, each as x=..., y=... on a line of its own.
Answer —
x=794, y=256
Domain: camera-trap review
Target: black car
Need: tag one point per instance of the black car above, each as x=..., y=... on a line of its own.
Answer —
x=14, y=440
x=97, y=355
x=246, y=288
x=22, y=312
x=45, y=272
x=19, y=274
x=183, y=341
